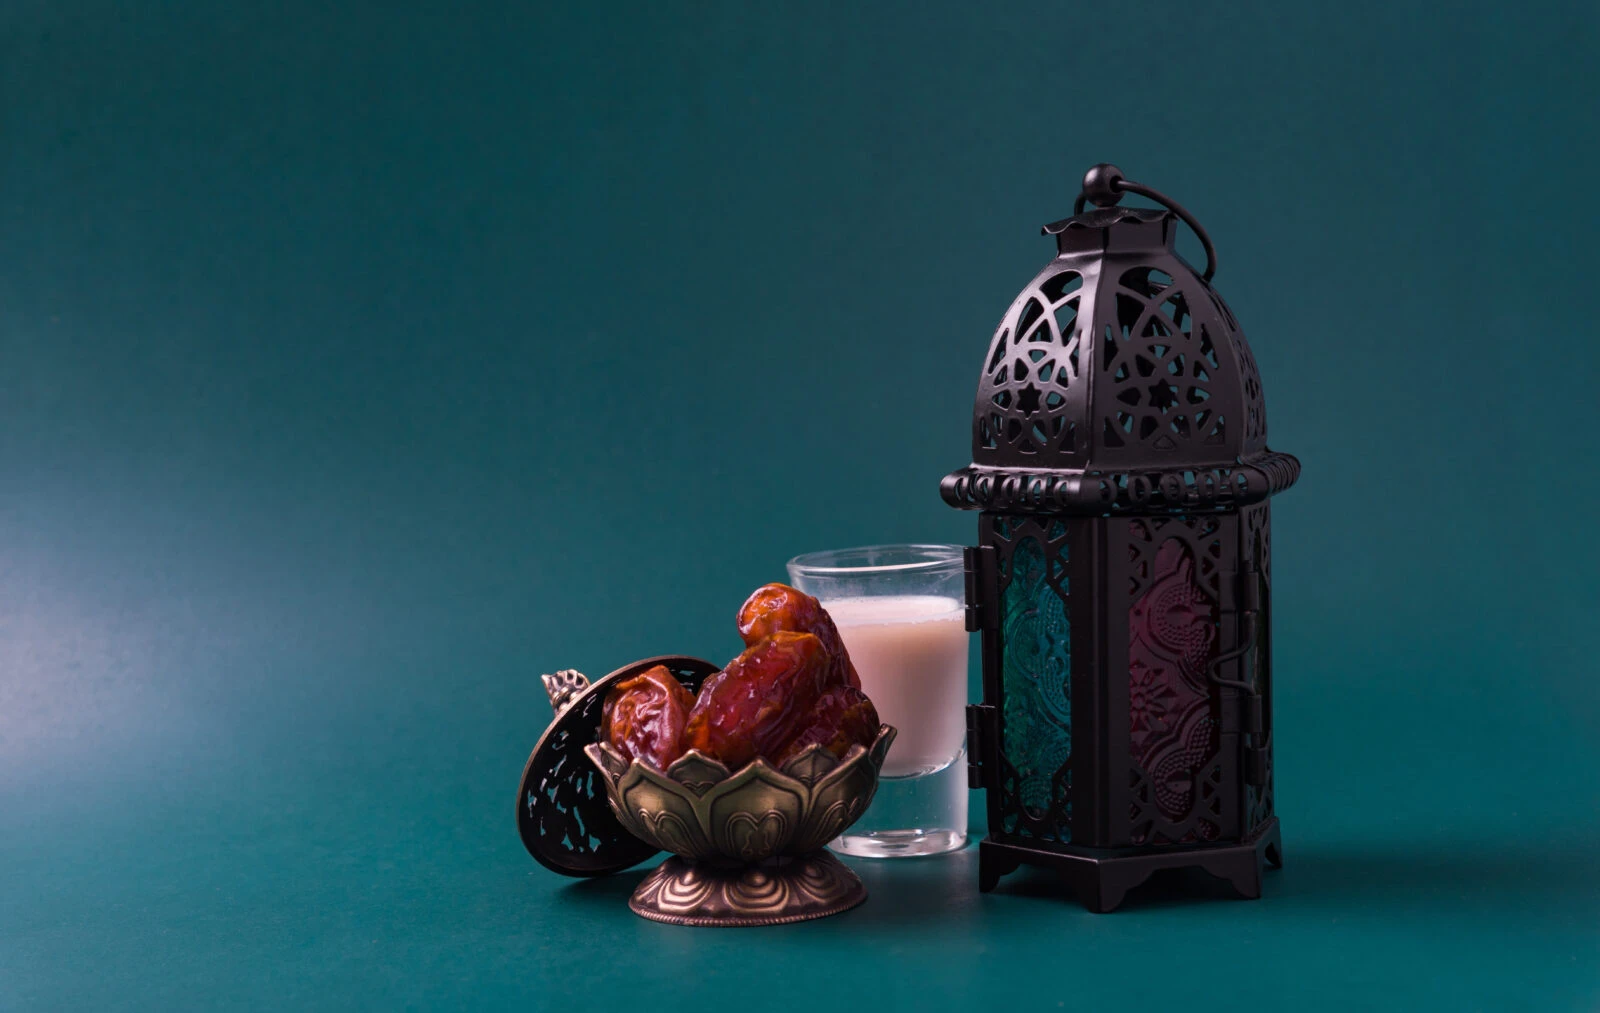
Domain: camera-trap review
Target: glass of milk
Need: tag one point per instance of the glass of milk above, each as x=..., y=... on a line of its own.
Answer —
x=901, y=612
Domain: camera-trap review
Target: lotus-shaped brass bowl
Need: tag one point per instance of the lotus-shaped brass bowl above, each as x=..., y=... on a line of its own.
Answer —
x=749, y=841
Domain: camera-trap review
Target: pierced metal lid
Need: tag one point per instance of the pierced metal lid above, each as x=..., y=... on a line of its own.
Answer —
x=562, y=813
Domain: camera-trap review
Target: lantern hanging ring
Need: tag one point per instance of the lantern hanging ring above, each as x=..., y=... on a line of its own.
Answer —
x=1105, y=184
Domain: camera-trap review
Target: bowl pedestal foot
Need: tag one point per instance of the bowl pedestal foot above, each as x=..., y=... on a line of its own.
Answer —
x=773, y=892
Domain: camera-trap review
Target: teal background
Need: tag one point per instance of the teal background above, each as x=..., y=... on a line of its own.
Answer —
x=359, y=362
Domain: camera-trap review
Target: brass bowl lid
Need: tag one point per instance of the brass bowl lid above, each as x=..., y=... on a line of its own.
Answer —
x=562, y=813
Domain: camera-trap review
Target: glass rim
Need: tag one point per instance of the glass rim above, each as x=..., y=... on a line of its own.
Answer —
x=940, y=557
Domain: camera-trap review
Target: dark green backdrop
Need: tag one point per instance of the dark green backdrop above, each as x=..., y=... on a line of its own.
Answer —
x=359, y=362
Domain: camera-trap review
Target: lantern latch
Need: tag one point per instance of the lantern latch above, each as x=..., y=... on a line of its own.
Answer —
x=1255, y=766
x=1247, y=597
x=983, y=731
x=982, y=613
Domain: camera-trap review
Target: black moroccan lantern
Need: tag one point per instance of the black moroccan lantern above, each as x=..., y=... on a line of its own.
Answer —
x=1121, y=579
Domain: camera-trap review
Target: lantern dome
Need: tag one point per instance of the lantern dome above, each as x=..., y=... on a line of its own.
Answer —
x=1119, y=380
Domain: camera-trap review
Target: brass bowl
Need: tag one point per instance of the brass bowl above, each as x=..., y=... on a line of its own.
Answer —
x=749, y=842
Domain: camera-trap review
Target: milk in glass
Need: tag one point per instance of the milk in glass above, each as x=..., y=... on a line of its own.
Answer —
x=911, y=654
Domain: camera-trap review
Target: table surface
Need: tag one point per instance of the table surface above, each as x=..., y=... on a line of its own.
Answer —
x=353, y=847
x=359, y=362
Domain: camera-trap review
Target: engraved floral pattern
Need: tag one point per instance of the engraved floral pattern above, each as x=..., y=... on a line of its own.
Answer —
x=752, y=814
x=1036, y=727
x=787, y=890
x=1171, y=637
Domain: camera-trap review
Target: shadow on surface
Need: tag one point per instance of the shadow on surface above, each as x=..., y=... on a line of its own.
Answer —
x=907, y=892
x=1467, y=872
x=604, y=894
x=901, y=893
x=1469, y=875
x=1341, y=879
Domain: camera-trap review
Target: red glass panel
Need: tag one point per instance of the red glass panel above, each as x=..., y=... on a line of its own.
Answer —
x=1172, y=637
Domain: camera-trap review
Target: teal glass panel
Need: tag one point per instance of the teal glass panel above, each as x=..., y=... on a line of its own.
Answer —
x=1037, y=675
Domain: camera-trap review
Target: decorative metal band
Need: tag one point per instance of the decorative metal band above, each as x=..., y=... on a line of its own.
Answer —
x=1021, y=490
x=1104, y=218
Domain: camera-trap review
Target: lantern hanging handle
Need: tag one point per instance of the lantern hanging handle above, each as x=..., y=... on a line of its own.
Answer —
x=1105, y=184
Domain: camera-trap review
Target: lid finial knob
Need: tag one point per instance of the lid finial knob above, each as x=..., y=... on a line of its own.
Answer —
x=563, y=687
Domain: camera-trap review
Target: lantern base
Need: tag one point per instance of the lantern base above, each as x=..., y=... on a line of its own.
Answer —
x=1102, y=877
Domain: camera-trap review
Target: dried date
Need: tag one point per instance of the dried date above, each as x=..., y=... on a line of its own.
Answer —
x=644, y=716
x=763, y=699
x=843, y=717
x=779, y=607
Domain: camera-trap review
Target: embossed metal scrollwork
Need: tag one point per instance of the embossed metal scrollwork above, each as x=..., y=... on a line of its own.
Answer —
x=748, y=842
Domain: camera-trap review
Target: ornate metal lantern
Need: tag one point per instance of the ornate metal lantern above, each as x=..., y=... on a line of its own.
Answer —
x=1122, y=579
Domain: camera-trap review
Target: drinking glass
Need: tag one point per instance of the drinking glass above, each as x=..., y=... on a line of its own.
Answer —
x=900, y=610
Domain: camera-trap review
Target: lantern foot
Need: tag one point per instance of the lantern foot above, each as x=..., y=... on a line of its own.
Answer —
x=992, y=865
x=1244, y=872
x=1101, y=877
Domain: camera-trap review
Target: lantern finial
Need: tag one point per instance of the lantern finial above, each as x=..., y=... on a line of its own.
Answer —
x=1103, y=184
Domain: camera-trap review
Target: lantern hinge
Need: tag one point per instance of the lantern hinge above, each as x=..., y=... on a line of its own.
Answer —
x=983, y=732
x=982, y=610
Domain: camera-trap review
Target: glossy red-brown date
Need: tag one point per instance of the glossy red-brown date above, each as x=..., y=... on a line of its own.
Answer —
x=644, y=717
x=843, y=717
x=777, y=607
x=762, y=700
